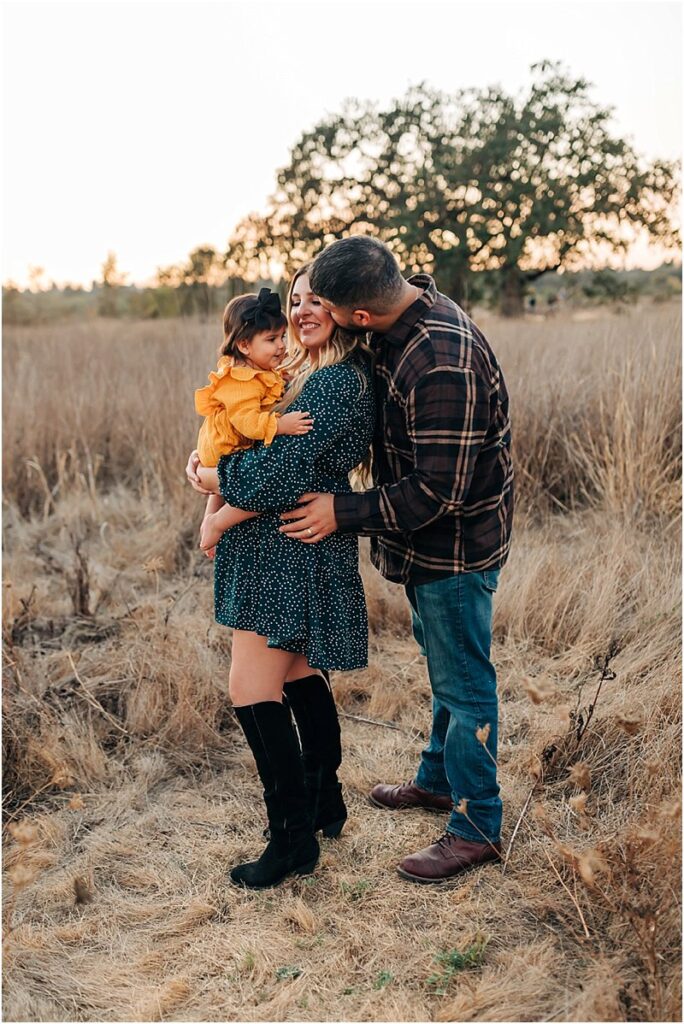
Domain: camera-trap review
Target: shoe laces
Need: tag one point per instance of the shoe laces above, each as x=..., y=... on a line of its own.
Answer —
x=445, y=841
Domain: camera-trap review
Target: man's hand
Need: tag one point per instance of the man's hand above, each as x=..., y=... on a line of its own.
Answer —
x=313, y=520
x=191, y=473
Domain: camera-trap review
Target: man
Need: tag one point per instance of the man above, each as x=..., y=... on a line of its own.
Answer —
x=440, y=520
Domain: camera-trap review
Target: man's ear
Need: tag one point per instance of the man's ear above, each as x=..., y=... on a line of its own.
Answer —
x=361, y=317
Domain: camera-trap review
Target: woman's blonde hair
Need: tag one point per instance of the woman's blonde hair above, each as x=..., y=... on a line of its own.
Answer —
x=339, y=347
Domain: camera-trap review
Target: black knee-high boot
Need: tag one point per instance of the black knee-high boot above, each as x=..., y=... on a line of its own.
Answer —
x=292, y=846
x=315, y=713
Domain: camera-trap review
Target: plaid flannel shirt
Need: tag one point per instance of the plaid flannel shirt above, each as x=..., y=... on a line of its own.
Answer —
x=443, y=500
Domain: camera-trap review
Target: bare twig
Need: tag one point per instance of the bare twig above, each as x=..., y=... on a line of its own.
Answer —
x=574, y=900
x=176, y=601
x=29, y=799
x=93, y=701
x=606, y=673
x=373, y=721
x=517, y=826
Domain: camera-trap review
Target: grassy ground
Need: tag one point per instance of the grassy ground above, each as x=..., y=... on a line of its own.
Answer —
x=129, y=791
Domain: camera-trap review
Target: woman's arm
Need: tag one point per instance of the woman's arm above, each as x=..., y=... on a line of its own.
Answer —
x=223, y=515
x=266, y=478
x=214, y=503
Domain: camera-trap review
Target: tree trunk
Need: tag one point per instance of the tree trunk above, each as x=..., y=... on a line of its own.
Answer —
x=454, y=283
x=460, y=291
x=512, y=300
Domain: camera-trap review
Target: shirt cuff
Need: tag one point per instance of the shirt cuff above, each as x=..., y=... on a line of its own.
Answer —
x=347, y=512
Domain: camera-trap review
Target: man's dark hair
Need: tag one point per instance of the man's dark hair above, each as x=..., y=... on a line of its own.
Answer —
x=357, y=273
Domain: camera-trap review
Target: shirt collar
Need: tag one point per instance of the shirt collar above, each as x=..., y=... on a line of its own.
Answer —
x=401, y=329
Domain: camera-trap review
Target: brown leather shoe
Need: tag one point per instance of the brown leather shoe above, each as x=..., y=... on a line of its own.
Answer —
x=448, y=857
x=398, y=798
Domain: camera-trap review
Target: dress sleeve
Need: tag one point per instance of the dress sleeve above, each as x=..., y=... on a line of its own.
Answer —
x=274, y=477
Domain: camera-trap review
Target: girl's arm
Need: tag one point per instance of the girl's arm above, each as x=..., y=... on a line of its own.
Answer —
x=208, y=477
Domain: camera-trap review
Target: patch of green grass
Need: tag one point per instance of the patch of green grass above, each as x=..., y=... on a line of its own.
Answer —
x=309, y=942
x=356, y=890
x=288, y=972
x=248, y=961
x=452, y=961
x=383, y=978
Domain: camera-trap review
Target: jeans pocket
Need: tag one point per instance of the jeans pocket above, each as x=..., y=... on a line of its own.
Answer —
x=490, y=578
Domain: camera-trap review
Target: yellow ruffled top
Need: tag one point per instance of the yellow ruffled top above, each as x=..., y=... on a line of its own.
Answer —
x=236, y=405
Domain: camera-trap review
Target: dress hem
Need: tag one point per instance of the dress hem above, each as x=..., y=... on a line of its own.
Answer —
x=281, y=646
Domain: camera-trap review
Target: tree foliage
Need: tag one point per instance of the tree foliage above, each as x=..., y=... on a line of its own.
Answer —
x=477, y=181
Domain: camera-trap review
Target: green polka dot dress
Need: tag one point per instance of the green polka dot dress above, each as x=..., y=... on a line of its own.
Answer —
x=305, y=598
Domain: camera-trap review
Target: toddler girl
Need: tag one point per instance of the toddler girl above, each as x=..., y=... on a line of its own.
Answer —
x=238, y=402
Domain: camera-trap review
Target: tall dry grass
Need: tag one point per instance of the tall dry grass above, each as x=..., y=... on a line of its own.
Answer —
x=129, y=792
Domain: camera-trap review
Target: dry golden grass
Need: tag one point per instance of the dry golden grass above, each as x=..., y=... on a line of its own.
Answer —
x=129, y=791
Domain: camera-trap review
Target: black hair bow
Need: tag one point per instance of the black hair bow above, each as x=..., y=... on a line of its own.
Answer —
x=266, y=307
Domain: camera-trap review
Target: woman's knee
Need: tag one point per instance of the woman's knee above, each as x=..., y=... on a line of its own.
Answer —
x=245, y=689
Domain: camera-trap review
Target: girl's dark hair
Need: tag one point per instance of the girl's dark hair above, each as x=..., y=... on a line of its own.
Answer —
x=235, y=328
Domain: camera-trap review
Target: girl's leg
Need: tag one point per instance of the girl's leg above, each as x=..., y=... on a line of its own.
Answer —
x=256, y=685
x=217, y=521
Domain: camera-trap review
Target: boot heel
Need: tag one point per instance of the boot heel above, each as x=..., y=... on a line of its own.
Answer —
x=333, y=830
x=306, y=869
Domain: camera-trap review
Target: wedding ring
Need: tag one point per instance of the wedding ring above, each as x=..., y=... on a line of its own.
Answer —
x=310, y=532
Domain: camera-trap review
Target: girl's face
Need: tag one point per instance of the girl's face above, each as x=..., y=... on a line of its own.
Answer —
x=313, y=324
x=265, y=351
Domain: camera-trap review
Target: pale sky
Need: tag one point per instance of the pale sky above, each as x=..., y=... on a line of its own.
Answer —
x=150, y=128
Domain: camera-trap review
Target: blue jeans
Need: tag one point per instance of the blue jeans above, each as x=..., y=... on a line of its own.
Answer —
x=452, y=623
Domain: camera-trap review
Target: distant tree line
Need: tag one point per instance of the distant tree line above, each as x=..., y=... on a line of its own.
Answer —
x=491, y=193
x=548, y=293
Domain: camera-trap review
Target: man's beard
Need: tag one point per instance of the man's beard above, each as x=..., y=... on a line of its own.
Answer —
x=353, y=329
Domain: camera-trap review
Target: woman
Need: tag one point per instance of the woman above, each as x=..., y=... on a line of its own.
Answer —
x=295, y=608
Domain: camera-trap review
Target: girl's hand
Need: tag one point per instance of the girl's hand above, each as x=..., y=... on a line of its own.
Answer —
x=191, y=473
x=295, y=423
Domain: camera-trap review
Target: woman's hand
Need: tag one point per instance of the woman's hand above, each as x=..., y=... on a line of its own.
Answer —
x=191, y=473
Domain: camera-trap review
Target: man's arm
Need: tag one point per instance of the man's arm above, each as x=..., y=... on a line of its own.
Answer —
x=447, y=422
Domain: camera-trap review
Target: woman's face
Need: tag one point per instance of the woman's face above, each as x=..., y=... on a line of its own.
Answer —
x=313, y=324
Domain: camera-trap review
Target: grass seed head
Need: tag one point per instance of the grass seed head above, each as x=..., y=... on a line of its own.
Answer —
x=589, y=864
x=23, y=833
x=22, y=875
x=155, y=564
x=537, y=690
x=482, y=733
x=579, y=803
x=580, y=775
x=82, y=891
x=540, y=815
x=630, y=724
x=62, y=777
